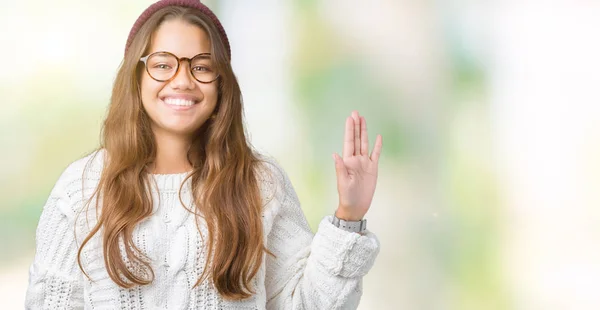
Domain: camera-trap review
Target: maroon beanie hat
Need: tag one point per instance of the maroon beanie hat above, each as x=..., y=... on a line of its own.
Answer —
x=184, y=3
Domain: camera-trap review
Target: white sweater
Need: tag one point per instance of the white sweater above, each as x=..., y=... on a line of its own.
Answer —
x=320, y=271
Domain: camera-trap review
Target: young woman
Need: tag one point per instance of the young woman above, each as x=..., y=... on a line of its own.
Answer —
x=175, y=210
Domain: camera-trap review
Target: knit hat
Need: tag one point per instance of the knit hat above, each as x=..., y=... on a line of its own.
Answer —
x=196, y=4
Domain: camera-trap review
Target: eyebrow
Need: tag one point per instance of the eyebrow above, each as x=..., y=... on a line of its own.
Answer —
x=203, y=55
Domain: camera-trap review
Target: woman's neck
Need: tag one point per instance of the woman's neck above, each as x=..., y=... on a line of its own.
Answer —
x=171, y=155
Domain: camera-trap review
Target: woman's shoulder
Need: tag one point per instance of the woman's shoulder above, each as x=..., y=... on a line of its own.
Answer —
x=68, y=191
x=270, y=171
x=273, y=179
x=85, y=169
x=90, y=163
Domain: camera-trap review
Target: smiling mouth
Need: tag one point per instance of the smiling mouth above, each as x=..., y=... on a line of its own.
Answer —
x=179, y=102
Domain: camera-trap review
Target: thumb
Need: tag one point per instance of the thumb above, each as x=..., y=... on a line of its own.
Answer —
x=340, y=168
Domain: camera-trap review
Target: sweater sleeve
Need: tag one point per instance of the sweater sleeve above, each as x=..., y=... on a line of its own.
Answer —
x=55, y=281
x=321, y=271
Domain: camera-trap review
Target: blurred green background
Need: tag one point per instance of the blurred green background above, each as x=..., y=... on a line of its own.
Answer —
x=487, y=194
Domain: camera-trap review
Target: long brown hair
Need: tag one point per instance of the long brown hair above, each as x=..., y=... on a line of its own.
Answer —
x=223, y=162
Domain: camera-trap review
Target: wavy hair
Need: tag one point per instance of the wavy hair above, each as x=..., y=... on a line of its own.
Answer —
x=223, y=162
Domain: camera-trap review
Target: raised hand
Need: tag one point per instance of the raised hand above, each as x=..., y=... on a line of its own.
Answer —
x=356, y=171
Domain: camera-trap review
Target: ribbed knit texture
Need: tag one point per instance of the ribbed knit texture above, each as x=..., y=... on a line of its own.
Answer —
x=194, y=4
x=321, y=271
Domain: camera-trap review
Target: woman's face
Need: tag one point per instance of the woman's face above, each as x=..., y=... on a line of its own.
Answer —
x=179, y=106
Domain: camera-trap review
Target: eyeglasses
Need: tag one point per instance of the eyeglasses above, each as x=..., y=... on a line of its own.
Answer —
x=162, y=66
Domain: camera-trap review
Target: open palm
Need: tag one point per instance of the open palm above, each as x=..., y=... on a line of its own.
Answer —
x=356, y=171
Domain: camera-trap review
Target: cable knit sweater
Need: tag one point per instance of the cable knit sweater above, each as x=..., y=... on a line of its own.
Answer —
x=320, y=271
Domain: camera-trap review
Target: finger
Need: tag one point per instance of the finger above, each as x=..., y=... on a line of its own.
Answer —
x=348, y=148
x=377, y=149
x=356, y=118
x=340, y=168
x=364, y=138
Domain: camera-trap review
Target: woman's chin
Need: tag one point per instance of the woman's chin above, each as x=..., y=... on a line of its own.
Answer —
x=179, y=130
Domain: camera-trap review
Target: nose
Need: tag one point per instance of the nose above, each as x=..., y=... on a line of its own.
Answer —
x=183, y=78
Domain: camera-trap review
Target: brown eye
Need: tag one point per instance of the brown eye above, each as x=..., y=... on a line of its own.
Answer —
x=162, y=66
x=201, y=69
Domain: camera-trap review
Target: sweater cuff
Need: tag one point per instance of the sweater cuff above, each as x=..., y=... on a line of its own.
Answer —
x=343, y=253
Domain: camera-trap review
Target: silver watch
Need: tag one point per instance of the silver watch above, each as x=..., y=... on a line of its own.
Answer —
x=352, y=226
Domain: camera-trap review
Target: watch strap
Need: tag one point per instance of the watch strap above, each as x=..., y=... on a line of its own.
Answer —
x=352, y=226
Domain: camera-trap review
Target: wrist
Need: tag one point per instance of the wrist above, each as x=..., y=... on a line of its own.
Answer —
x=358, y=226
x=347, y=216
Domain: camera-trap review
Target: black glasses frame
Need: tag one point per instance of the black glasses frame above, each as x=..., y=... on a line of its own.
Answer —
x=179, y=60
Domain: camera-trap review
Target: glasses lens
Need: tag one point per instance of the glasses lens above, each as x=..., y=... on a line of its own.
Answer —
x=203, y=68
x=162, y=66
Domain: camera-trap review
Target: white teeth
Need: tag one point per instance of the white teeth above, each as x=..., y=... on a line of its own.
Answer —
x=177, y=101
